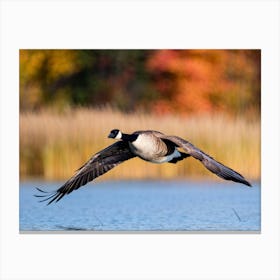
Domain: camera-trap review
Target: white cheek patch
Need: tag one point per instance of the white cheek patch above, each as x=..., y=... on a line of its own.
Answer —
x=119, y=135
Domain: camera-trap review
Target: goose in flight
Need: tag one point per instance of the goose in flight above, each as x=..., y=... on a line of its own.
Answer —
x=149, y=145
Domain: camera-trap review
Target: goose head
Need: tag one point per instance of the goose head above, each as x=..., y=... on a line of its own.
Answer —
x=115, y=134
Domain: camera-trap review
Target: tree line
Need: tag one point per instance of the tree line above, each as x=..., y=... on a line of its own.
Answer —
x=161, y=81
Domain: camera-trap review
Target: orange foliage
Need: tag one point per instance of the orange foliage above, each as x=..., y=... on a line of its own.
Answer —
x=202, y=81
x=164, y=81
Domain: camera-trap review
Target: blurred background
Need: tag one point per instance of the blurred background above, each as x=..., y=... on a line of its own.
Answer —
x=71, y=99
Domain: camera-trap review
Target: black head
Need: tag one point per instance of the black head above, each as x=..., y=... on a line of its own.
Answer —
x=115, y=134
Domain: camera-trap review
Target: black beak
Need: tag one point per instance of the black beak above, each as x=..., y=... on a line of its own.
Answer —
x=111, y=135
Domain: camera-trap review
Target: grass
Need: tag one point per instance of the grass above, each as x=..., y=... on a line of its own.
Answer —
x=54, y=145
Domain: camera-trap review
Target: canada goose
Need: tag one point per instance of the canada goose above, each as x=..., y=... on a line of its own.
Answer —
x=149, y=145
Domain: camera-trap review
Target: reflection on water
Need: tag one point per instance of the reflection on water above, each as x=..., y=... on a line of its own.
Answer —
x=144, y=206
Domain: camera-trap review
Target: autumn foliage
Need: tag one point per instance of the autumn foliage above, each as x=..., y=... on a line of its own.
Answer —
x=199, y=81
x=162, y=81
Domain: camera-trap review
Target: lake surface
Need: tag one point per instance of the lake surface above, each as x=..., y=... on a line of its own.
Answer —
x=143, y=206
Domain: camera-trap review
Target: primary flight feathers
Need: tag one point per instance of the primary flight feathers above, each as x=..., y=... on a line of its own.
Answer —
x=149, y=145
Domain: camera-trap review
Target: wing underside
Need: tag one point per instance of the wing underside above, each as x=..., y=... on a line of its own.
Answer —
x=97, y=165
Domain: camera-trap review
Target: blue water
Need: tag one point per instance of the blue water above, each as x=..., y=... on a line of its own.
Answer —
x=144, y=206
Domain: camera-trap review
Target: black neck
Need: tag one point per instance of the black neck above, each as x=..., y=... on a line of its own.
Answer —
x=129, y=137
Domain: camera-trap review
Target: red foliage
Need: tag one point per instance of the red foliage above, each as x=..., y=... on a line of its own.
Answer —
x=203, y=81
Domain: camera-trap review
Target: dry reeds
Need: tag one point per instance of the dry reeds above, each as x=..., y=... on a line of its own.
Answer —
x=54, y=145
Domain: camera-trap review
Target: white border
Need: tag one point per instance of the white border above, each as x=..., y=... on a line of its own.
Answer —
x=153, y=24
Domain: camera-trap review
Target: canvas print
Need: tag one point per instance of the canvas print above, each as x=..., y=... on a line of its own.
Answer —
x=164, y=140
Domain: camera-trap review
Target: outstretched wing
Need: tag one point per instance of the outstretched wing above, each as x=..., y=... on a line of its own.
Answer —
x=97, y=165
x=211, y=164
